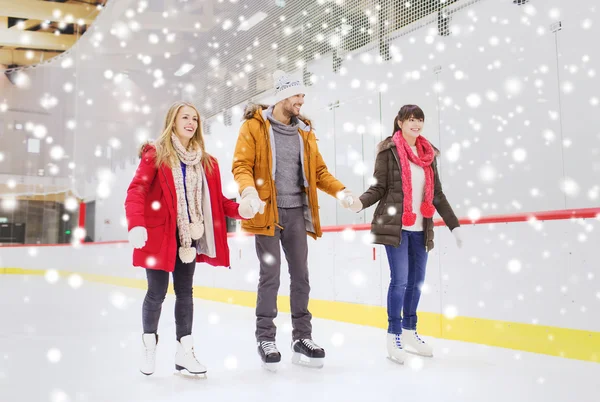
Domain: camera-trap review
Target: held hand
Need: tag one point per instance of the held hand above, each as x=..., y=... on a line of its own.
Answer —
x=356, y=205
x=258, y=205
x=345, y=197
x=138, y=236
x=255, y=203
x=246, y=210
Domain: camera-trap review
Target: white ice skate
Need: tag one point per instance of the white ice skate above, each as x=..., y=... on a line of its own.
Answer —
x=396, y=352
x=307, y=353
x=148, y=359
x=185, y=359
x=269, y=355
x=414, y=344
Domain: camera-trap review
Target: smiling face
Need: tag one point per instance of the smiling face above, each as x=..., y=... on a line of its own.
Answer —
x=291, y=106
x=186, y=124
x=412, y=126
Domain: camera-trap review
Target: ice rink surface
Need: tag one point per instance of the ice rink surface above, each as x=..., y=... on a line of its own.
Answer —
x=61, y=343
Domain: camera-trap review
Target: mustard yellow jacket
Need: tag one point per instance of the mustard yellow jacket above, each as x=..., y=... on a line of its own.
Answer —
x=254, y=166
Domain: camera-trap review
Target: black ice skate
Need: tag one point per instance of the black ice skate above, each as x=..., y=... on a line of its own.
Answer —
x=307, y=353
x=269, y=354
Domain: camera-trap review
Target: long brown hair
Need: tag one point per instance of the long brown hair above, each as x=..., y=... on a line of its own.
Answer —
x=405, y=113
x=165, y=152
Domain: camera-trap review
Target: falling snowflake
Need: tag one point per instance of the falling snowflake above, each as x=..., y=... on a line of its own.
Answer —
x=474, y=100
x=570, y=187
x=59, y=395
x=487, y=173
x=451, y=312
x=75, y=281
x=416, y=363
x=54, y=355
x=358, y=278
x=514, y=266
x=213, y=318
x=52, y=276
x=474, y=214
x=337, y=339
x=231, y=363
x=348, y=234
x=268, y=259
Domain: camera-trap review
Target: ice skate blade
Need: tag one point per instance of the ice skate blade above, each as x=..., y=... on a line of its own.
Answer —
x=396, y=360
x=184, y=372
x=304, y=361
x=271, y=367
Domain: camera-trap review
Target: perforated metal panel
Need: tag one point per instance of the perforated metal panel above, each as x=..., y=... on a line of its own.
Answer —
x=260, y=37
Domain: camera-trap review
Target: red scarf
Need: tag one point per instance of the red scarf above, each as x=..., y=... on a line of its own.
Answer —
x=424, y=159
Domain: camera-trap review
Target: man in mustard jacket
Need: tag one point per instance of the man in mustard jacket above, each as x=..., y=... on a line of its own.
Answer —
x=278, y=167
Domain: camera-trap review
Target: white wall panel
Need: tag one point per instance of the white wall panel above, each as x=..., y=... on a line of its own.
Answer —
x=499, y=98
x=579, y=66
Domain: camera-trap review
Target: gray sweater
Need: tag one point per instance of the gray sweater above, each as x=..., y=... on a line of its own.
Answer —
x=288, y=167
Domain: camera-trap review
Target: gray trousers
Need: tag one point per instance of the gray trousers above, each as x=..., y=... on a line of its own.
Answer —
x=294, y=241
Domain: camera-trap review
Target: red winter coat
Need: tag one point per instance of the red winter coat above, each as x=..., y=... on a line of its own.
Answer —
x=152, y=184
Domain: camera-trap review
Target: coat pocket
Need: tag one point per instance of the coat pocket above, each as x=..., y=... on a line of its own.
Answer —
x=156, y=228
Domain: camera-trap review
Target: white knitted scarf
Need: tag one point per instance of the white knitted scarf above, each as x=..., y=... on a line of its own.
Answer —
x=192, y=227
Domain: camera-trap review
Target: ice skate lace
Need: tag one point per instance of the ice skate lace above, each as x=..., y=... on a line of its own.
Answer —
x=418, y=338
x=398, y=341
x=310, y=344
x=150, y=353
x=193, y=355
x=269, y=347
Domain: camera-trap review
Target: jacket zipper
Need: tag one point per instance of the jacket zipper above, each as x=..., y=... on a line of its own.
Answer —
x=272, y=179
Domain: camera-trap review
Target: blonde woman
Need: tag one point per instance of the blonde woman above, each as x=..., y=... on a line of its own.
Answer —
x=176, y=217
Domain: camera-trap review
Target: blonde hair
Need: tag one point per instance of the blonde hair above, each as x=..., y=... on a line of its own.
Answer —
x=165, y=151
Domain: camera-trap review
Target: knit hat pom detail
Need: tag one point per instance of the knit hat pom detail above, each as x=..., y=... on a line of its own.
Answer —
x=196, y=230
x=427, y=209
x=187, y=254
x=409, y=218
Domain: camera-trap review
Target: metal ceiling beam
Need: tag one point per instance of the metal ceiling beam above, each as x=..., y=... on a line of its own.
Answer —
x=46, y=10
x=36, y=40
x=27, y=24
x=19, y=57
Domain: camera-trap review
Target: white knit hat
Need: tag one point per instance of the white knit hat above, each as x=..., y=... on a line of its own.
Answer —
x=286, y=86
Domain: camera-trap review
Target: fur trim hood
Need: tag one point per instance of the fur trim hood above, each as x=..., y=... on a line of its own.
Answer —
x=253, y=110
x=388, y=143
x=145, y=146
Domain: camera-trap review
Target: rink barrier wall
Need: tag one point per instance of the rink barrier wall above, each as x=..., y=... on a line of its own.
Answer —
x=550, y=340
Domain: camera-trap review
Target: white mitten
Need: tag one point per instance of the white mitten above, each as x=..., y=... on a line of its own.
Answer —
x=345, y=197
x=138, y=237
x=246, y=210
x=356, y=205
x=254, y=200
x=457, y=232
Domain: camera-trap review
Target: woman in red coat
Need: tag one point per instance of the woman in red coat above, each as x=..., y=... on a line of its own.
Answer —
x=176, y=217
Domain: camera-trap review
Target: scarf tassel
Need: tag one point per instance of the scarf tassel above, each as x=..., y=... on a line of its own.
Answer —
x=187, y=254
x=196, y=230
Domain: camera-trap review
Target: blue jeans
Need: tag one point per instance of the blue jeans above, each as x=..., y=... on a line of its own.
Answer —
x=407, y=271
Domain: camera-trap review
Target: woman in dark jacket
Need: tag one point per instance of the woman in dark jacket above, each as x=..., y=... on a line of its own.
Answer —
x=409, y=192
